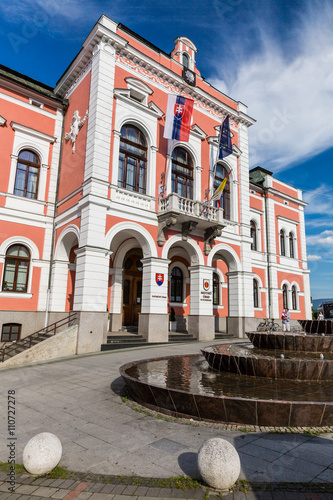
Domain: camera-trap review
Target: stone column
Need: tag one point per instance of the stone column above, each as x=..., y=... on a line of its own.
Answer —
x=201, y=322
x=59, y=286
x=91, y=293
x=116, y=299
x=154, y=318
x=240, y=294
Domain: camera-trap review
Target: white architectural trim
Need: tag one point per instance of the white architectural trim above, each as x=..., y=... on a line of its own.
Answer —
x=232, y=258
x=190, y=245
x=126, y=113
x=260, y=290
x=194, y=149
x=33, y=132
x=132, y=229
x=61, y=251
x=186, y=276
x=26, y=105
x=33, y=140
x=34, y=256
x=20, y=240
x=221, y=283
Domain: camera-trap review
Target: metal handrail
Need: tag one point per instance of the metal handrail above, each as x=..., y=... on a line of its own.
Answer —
x=50, y=329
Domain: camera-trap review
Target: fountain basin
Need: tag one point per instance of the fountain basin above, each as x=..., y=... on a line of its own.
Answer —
x=291, y=342
x=314, y=326
x=243, y=360
x=174, y=385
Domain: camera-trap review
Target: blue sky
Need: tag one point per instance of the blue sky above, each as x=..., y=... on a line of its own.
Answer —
x=274, y=56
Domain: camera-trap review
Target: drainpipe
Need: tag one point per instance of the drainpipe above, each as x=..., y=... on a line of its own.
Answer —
x=268, y=259
x=48, y=293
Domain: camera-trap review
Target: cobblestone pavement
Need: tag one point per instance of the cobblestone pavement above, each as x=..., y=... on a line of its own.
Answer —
x=78, y=399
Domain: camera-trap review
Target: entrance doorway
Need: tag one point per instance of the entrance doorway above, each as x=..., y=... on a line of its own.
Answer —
x=132, y=288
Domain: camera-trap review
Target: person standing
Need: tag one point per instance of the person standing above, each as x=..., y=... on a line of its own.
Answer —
x=320, y=316
x=285, y=320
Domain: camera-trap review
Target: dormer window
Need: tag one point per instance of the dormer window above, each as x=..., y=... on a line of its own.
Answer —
x=138, y=90
x=137, y=96
x=186, y=60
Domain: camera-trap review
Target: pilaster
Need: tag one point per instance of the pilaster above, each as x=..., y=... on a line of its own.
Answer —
x=91, y=283
x=201, y=322
x=59, y=286
x=116, y=299
x=154, y=318
x=97, y=161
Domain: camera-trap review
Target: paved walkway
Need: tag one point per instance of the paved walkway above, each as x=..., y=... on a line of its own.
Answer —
x=78, y=399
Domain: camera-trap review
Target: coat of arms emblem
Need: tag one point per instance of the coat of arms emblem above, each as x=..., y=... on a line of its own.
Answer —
x=206, y=285
x=159, y=279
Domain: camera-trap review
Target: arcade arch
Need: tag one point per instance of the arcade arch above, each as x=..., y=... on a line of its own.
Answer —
x=64, y=270
x=226, y=265
x=130, y=244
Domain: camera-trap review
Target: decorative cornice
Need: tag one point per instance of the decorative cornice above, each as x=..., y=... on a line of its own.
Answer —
x=174, y=83
x=148, y=68
x=27, y=130
x=79, y=79
x=213, y=140
x=198, y=131
x=152, y=109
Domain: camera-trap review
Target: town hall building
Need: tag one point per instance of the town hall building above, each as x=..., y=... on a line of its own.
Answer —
x=101, y=215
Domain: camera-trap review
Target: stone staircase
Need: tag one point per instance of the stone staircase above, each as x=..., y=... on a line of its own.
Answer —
x=18, y=346
x=223, y=336
x=126, y=339
x=11, y=349
x=129, y=337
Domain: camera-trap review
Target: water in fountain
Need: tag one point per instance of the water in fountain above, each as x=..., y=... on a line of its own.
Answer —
x=252, y=384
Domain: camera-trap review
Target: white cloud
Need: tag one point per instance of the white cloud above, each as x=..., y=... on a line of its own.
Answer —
x=323, y=240
x=44, y=13
x=289, y=94
x=320, y=200
x=312, y=258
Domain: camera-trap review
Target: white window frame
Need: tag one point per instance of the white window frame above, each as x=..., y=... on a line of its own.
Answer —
x=186, y=280
x=29, y=139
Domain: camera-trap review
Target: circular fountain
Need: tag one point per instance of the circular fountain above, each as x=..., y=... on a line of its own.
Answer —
x=281, y=380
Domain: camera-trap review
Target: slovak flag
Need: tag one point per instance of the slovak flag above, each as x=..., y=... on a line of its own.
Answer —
x=178, y=118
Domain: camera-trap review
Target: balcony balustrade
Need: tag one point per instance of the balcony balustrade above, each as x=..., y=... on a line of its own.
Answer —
x=174, y=210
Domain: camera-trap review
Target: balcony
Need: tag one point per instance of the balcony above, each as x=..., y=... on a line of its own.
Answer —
x=191, y=215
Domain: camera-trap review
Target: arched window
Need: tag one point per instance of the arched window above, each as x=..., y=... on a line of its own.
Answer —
x=15, y=278
x=282, y=243
x=27, y=174
x=291, y=245
x=255, y=293
x=294, y=297
x=253, y=229
x=186, y=60
x=285, y=297
x=182, y=173
x=221, y=172
x=132, y=165
x=176, y=291
x=216, y=289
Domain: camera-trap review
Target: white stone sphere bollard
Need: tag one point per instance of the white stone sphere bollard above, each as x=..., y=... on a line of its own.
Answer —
x=218, y=463
x=42, y=453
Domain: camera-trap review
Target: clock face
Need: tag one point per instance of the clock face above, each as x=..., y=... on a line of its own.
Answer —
x=189, y=77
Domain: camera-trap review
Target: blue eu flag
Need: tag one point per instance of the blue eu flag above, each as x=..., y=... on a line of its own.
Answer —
x=225, y=146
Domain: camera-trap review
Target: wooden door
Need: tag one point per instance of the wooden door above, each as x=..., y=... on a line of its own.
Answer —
x=132, y=291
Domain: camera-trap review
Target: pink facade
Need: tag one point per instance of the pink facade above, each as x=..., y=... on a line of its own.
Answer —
x=130, y=203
